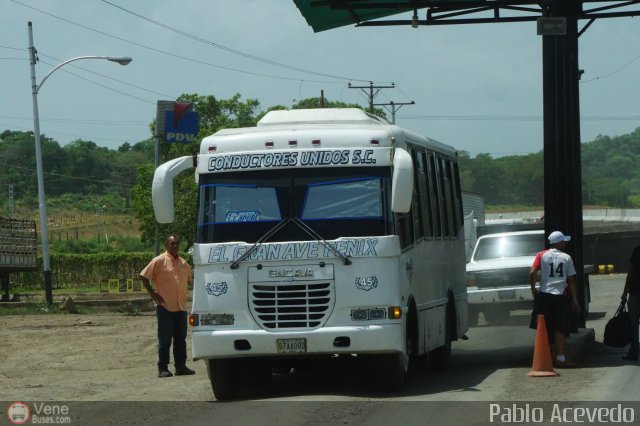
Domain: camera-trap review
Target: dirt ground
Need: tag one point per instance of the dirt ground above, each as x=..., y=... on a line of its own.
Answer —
x=100, y=357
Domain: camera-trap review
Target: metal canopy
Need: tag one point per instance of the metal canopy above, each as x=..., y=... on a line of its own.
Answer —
x=560, y=74
x=324, y=15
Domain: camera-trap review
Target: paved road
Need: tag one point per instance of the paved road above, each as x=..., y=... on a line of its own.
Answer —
x=488, y=368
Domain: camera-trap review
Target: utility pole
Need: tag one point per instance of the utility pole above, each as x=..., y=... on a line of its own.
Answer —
x=370, y=88
x=394, y=109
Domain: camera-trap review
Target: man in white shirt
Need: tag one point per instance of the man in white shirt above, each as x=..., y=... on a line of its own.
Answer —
x=557, y=281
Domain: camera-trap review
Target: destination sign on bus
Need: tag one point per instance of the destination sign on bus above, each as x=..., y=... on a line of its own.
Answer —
x=303, y=158
x=356, y=247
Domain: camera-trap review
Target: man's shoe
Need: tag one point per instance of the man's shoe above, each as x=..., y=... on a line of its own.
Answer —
x=164, y=373
x=629, y=357
x=184, y=371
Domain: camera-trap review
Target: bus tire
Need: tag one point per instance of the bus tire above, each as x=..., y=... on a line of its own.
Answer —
x=257, y=372
x=224, y=378
x=392, y=372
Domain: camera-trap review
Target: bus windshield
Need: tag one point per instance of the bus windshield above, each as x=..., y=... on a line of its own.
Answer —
x=345, y=202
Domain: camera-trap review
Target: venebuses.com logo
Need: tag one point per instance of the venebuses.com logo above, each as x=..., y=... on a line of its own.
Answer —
x=18, y=413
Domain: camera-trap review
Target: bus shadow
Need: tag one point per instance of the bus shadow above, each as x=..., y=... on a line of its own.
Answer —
x=347, y=378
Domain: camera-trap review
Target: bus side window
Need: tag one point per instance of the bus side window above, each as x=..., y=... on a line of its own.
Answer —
x=450, y=205
x=458, y=199
x=425, y=195
x=435, y=195
x=416, y=206
x=445, y=197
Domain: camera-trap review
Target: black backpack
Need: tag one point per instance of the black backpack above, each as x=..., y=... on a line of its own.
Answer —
x=617, y=332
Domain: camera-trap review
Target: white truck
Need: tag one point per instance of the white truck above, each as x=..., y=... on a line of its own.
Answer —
x=498, y=274
x=322, y=233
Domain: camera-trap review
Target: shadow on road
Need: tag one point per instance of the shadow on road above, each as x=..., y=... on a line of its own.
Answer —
x=488, y=350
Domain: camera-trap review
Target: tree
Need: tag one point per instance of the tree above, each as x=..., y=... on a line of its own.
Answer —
x=214, y=115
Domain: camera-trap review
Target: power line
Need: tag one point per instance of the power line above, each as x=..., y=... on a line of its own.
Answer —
x=229, y=49
x=84, y=138
x=612, y=73
x=101, y=85
x=111, y=78
x=82, y=121
x=153, y=49
x=12, y=48
x=372, y=93
x=511, y=117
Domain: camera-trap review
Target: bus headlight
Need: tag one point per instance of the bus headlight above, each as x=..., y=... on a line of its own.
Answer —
x=372, y=314
x=359, y=314
x=375, y=314
x=217, y=319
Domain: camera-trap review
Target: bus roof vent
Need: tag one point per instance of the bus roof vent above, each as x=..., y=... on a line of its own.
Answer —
x=319, y=116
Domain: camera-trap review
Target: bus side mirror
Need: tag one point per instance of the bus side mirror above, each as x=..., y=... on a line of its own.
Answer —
x=402, y=184
x=162, y=187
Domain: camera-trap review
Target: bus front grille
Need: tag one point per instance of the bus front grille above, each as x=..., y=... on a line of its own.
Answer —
x=291, y=305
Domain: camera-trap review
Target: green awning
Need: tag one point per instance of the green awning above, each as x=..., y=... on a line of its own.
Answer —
x=324, y=15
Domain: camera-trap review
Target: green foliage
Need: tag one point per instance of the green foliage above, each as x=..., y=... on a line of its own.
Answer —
x=506, y=180
x=73, y=174
x=116, y=244
x=314, y=103
x=88, y=270
x=610, y=175
x=214, y=115
x=90, y=178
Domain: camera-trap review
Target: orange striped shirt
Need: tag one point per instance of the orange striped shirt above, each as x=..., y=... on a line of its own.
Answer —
x=170, y=277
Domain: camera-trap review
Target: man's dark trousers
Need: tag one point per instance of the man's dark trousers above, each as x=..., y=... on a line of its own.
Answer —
x=171, y=326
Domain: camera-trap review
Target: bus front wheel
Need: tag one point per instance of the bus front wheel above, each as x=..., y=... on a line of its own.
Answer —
x=223, y=375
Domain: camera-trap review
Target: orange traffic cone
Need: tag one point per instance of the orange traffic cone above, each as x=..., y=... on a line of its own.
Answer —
x=542, y=362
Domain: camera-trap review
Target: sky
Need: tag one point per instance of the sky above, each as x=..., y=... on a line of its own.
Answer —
x=475, y=87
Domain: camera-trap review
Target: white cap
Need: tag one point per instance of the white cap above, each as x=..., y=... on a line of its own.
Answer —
x=556, y=236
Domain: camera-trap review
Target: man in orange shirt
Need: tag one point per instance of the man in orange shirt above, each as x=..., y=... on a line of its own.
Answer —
x=170, y=274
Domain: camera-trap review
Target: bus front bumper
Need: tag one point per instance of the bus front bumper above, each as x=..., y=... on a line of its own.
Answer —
x=365, y=339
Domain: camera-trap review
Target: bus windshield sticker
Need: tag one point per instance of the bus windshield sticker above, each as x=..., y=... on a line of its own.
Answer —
x=243, y=216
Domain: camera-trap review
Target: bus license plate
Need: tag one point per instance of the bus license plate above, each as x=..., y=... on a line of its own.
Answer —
x=288, y=346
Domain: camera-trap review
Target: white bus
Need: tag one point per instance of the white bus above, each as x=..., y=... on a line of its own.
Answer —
x=323, y=233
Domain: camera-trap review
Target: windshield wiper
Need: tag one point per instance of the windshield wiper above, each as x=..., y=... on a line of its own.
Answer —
x=236, y=263
x=313, y=234
x=306, y=228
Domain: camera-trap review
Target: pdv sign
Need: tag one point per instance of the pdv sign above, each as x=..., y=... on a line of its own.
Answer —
x=176, y=122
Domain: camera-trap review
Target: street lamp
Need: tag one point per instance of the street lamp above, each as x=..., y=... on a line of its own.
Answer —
x=35, y=89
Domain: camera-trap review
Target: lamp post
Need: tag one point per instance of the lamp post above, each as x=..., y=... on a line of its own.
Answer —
x=35, y=89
